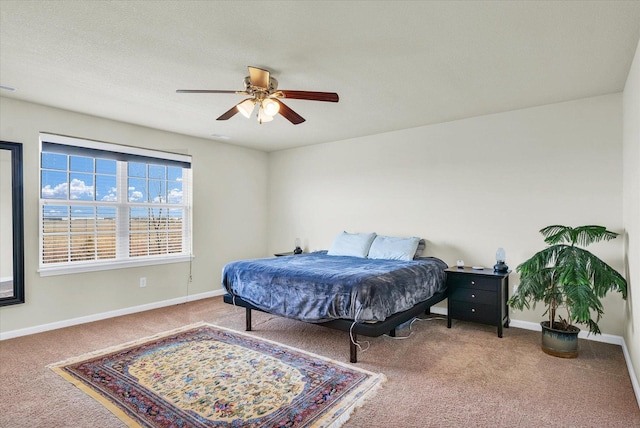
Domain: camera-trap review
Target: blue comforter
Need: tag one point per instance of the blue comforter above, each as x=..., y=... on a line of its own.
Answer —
x=316, y=287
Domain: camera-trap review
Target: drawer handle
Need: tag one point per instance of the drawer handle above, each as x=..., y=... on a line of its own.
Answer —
x=473, y=310
x=473, y=295
x=473, y=283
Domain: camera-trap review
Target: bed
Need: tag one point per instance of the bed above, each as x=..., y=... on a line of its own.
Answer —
x=353, y=291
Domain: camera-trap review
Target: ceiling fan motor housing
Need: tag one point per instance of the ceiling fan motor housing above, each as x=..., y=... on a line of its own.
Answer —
x=273, y=85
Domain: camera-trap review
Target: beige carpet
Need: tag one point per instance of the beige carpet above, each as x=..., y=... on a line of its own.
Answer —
x=439, y=377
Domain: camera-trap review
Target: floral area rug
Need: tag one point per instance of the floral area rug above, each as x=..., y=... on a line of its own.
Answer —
x=207, y=376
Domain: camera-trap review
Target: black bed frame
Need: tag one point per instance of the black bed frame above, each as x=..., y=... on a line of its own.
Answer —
x=366, y=329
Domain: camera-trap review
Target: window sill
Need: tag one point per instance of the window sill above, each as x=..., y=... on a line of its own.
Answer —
x=95, y=267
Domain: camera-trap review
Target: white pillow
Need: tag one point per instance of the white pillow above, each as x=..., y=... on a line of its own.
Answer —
x=391, y=248
x=351, y=244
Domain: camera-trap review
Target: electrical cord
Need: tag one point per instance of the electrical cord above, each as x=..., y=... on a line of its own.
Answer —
x=355, y=342
x=190, y=277
x=411, y=326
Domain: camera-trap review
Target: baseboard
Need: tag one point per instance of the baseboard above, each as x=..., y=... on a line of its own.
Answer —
x=605, y=338
x=632, y=373
x=110, y=314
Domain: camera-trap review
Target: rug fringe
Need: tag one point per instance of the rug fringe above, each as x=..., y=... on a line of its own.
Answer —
x=347, y=411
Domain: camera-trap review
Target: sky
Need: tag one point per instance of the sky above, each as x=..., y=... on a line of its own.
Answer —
x=78, y=178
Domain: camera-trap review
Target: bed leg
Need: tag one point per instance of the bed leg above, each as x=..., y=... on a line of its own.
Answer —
x=392, y=333
x=353, y=350
x=248, y=317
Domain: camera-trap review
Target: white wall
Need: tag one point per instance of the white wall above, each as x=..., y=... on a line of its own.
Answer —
x=229, y=218
x=468, y=186
x=631, y=207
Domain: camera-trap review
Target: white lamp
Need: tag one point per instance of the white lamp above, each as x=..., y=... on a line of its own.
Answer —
x=270, y=107
x=246, y=107
x=500, y=265
x=264, y=117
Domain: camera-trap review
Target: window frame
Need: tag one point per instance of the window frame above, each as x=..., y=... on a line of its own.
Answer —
x=122, y=154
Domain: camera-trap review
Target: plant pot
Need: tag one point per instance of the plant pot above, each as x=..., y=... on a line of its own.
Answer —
x=560, y=343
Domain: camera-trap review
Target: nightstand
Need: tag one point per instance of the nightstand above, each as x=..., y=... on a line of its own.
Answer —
x=478, y=296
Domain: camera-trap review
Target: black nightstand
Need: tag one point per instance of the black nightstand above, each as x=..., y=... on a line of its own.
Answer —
x=478, y=296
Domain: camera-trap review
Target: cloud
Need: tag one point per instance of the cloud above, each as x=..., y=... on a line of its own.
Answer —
x=76, y=190
x=55, y=212
x=79, y=190
x=57, y=192
x=175, y=196
x=135, y=196
x=111, y=195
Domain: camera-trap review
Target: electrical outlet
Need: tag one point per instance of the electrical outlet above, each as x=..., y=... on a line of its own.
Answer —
x=143, y=282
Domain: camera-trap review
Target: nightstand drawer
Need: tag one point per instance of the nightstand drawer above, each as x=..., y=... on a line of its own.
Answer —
x=474, y=296
x=468, y=311
x=472, y=281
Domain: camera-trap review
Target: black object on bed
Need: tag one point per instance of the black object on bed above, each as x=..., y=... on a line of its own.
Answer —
x=355, y=294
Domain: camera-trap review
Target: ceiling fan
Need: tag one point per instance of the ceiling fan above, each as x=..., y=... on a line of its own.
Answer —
x=263, y=92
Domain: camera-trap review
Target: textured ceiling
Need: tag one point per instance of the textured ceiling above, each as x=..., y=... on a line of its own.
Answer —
x=395, y=65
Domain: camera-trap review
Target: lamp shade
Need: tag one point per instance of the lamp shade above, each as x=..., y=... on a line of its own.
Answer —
x=270, y=107
x=264, y=117
x=246, y=107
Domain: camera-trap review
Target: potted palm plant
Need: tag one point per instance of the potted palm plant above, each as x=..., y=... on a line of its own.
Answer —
x=567, y=276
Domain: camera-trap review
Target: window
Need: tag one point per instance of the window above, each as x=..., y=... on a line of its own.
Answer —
x=104, y=206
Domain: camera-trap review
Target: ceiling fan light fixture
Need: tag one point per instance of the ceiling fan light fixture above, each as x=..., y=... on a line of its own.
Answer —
x=263, y=116
x=270, y=107
x=246, y=107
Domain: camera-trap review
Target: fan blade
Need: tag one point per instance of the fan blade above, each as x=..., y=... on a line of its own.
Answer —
x=259, y=77
x=309, y=95
x=289, y=114
x=229, y=113
x=208, y=91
